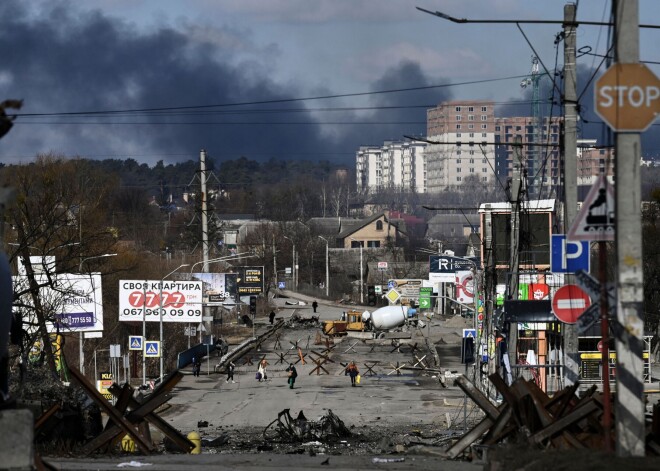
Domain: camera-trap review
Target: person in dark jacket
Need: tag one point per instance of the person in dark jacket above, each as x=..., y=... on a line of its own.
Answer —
x=271, y=316
x=293, y=374
x=230, y=372
x=315, y=306
x=352, y=371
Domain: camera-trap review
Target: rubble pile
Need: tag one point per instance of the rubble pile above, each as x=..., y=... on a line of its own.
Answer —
x=287, y=429
x=298, y=322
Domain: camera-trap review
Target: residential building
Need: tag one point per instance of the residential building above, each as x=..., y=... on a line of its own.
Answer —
x=541, y=161
x=462, y=133
x=593, y=161
x=396, y=165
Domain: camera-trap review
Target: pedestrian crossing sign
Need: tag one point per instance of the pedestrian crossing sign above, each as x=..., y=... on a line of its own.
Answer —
x=152, y=349
x=135, y=342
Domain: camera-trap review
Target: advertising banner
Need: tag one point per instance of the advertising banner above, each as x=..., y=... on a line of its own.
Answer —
x=443, y=268
x=250, y=280
x=217, y=288
x=177, y=301
x=75, y=300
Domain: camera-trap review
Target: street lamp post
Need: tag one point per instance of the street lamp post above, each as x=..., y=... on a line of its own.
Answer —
x=293, y=263
x=160, y=316
x=327, y=267
x=361, y=272
x=80, y=267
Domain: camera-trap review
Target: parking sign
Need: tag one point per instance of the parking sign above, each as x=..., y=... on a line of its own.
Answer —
x=569, y=256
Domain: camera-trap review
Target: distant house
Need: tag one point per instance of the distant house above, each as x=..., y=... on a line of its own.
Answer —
x=375, y=232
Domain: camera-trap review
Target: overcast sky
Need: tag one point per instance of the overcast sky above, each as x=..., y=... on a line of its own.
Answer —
x=170, y=71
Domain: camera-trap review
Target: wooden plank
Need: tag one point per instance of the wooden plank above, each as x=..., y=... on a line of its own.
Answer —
x=564, y=422
x=44, y=418
x=469, y=438
x=477, y=396
x=497, y=431
x=508, y=396
x=109, y=409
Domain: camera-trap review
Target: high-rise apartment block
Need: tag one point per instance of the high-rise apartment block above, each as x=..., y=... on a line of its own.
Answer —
x=467, y=144
x=396, y=165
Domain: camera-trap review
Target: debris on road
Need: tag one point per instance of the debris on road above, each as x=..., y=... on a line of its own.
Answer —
x=287, y=429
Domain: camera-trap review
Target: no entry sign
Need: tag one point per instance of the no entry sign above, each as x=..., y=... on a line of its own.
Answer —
x=569, y=302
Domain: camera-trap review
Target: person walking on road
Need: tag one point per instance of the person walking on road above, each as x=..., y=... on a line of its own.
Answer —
x=230, y=372
x=315, y=305
x=196, y=366
x=293, y=374
x=352, y=371
x=271, y=316
x=261, y=372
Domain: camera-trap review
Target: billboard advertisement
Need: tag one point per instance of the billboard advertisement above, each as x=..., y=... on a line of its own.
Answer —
x=74, y=301
x=176, y=301
x=250, y=280
x=217, y=288
x=443, y=268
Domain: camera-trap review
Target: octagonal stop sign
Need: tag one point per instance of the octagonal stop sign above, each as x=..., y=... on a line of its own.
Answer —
x=628, y=97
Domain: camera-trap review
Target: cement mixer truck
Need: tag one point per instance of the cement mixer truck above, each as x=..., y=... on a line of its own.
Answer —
x=389, y=317
x=381, y=320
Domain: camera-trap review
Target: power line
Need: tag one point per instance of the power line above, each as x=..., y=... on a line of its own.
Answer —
x=281, y=100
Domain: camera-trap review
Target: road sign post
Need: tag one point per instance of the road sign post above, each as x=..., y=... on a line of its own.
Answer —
x=628, y=97
x=569, y=302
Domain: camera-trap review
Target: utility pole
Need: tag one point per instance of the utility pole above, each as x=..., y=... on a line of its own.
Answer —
x=570, y=360
x=205, y=232
x=517, y=187
x=630, y=427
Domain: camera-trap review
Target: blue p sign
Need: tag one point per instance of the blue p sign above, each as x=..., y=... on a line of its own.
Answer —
x=569, y=256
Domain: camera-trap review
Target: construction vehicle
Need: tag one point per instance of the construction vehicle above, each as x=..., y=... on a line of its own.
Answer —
x=351, y=321
x=381, y=320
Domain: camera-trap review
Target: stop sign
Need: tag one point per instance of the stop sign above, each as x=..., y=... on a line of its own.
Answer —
x=628, y=97
x=569, y=302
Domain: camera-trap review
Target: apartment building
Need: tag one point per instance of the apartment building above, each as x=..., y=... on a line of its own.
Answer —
x=462, y=133
x=396, y=165
x=593, y=161
x=539, y=152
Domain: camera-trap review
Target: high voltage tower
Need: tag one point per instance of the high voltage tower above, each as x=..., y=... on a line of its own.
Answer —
x=534, y=154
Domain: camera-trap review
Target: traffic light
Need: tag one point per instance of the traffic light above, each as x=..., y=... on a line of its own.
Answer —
x=371, y=296
x=253, y=305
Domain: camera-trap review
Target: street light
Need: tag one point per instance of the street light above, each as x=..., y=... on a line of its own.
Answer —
x=327, y=267
x=222, y=259
x=293, y=264
x=80, y=266
x=361, y=272
x=160, y=316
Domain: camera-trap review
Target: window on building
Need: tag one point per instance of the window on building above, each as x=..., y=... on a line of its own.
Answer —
x=497, y=128
x=458, y=179
x=471, y=161
x=518, y=128
x=458, y=161
x=471, y=170
x=483, y=161
x=458, y=126
x=484, y=126
x=471, y=152
x=484, y=179
x=471, y=117
x=379, y=225
x=458, y=108
x=484, y=170
x=484, y=109
x=458, y=134
x=458, y=117
x=374, y=244
x=470, y=109
x=471, y=134
x=458, y=169
x=470, y=126
x=458, y=152
x=484, y=117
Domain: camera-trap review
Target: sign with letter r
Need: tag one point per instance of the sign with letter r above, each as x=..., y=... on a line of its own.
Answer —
x=569, y=256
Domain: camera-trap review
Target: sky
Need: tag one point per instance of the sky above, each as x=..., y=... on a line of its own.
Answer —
x=159, y=80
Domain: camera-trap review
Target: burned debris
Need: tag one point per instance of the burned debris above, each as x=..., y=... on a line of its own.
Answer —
x=286, y=429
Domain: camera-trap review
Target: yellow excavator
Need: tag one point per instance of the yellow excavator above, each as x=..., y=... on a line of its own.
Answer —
x=350, y=321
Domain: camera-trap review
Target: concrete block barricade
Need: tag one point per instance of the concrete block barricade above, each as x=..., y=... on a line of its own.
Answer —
x=16, y=449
